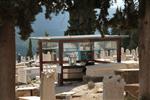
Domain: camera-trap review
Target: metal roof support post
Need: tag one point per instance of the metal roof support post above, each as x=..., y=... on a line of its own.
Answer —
x=60, y=75
x=40, y=56
x=118, y=50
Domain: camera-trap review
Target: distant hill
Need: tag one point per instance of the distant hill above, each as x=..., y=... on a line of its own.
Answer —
x=55, y=27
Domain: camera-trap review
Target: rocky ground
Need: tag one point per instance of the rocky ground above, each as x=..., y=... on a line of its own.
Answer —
x=72, y=91
x=80, y=91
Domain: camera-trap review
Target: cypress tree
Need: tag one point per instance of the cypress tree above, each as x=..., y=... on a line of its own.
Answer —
x=29, y=52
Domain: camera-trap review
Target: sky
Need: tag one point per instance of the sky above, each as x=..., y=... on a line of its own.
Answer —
x=54, y=27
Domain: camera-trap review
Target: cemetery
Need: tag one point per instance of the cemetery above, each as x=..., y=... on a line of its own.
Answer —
x=61, y=71
x=74, y=50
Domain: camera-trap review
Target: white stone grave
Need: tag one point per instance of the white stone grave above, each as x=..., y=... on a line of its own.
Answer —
x=26, y=74
x=47, y=85
x=123, y=55
x=128, y=52
x=102, y=54
x=113, y=88
x=137, y=52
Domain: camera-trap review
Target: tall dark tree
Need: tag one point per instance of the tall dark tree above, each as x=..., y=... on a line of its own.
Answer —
x=144, y=49
x=102, y=21
x=82, y=18
x=19, y=13
x=124, y=22
x=29, y=52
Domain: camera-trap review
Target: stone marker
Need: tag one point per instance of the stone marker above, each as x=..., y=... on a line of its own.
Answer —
x=48, y=86
x=123, y=55
x=113, y=88
x=102, y=54
x=29, y=98
x=49, y=56
x=128, y=52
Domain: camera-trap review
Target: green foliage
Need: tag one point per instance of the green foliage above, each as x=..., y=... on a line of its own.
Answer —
x=125, y=22
x=83, y=17
x=84, y=20
x=22, y=12
x=46, y=34
x=29, y=52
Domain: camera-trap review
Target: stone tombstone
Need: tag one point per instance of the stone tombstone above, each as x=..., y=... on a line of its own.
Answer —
x=111, y=53
x=123, y=55
x=47, y=86
x=137, y=52
x=128, y=52
x=115, y=52
x=102, y=55
x=26, y=74
x=106, y=53
x=49, y=57
x=113, y=88
x=133, y=52
x=35, y=57
x=54, y=56
x=122, y=51
x=23, y=59
x=45, y=57
x=19, y=58
x=114, y=55
x=28, y=59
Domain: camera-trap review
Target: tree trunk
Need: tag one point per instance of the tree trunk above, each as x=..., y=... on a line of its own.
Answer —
x=144, y=50
x=7, y=61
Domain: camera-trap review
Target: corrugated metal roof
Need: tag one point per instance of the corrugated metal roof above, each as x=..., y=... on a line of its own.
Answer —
x=74, y=37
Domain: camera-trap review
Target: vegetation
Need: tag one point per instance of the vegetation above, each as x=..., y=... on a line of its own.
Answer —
x=46, y=34
x=29, y=52
x=84, y=20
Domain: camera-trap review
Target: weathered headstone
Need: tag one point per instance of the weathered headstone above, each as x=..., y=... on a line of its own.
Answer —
x=49, y=56
x=106, y=53
x=28, y=58
x=47, y=86
x=23, y=59
x=123, y=55
x=113, y=88
x=128, y=52
x=26, y=74
x=34, y=57
x=122, y=50
x=44, y=57
x=111, y=53
x=137, y=52
x=114, y=55
x=133, y=53
x=102, y=55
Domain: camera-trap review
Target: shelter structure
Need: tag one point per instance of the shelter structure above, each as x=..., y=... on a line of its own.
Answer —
x=72, y=49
